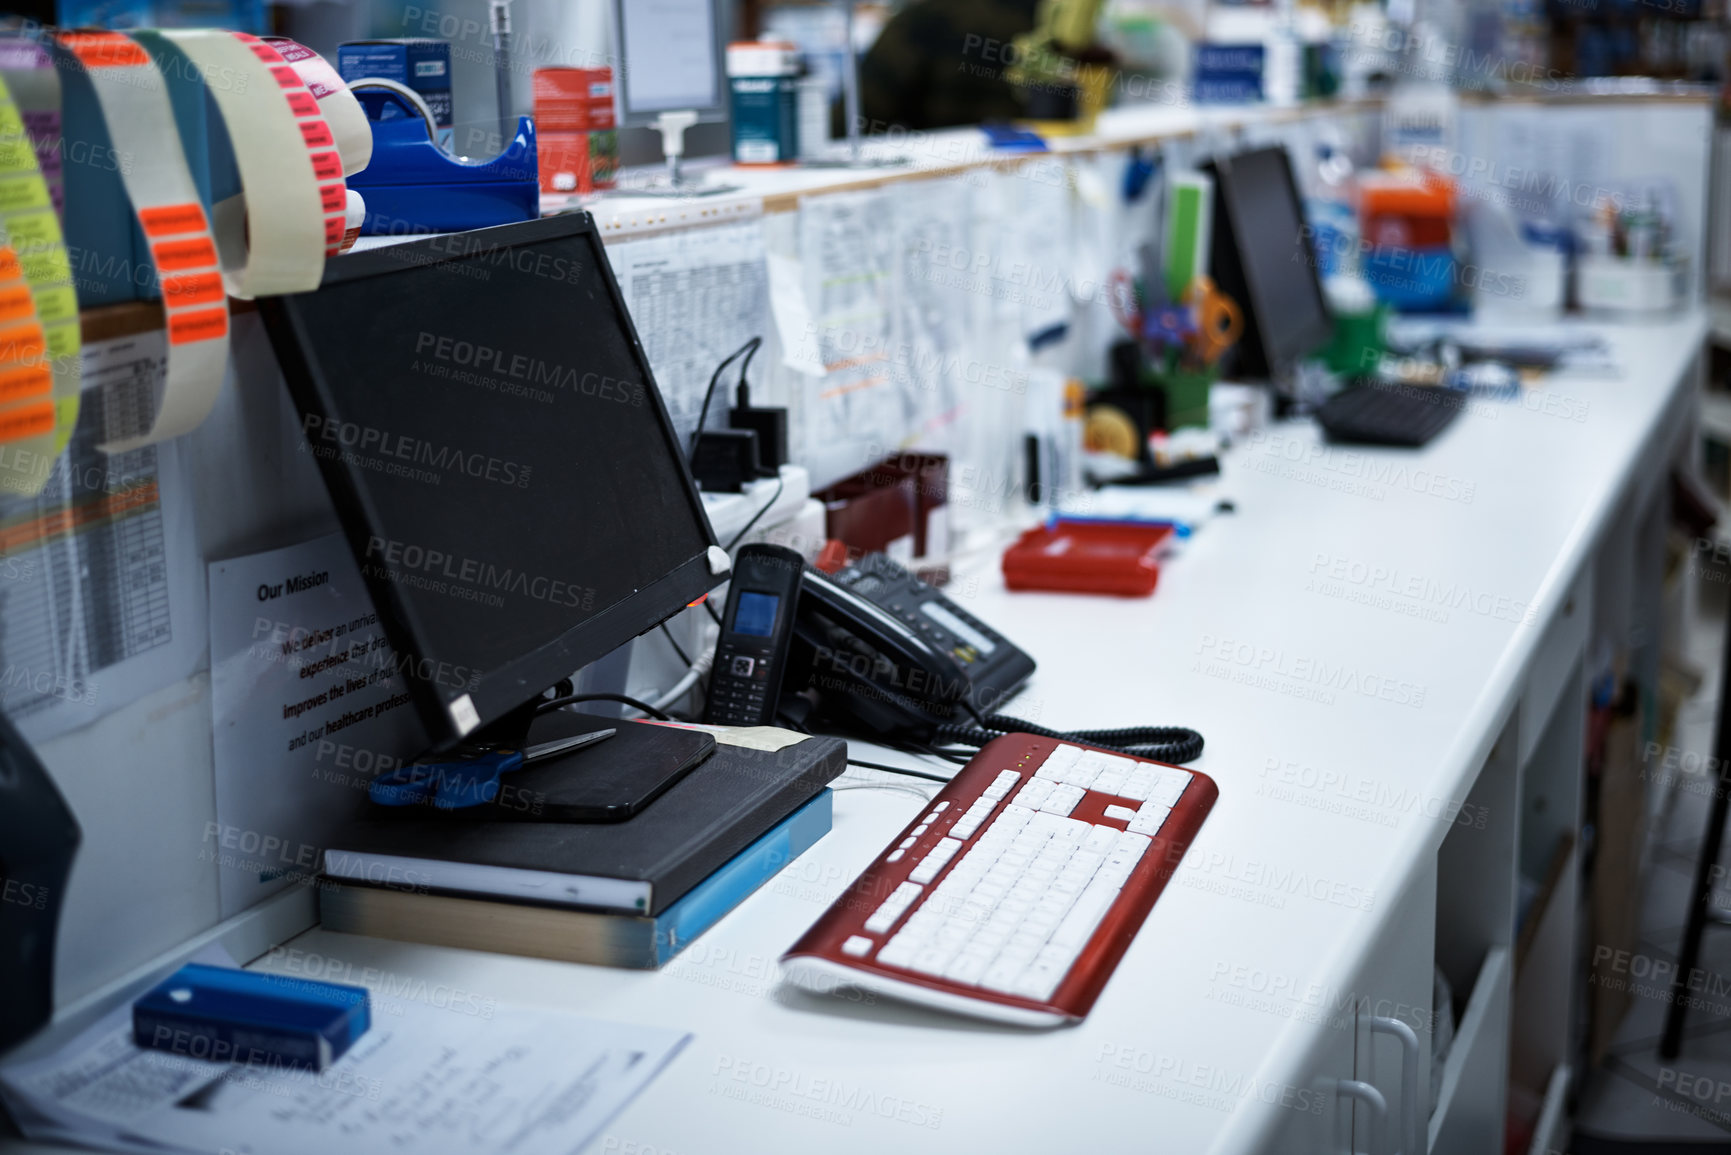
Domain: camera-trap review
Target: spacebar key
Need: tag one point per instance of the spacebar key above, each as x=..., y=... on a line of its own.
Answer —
x=1078, y=926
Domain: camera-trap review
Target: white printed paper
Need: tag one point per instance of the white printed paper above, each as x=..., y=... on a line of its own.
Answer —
x=101, y=596
x=529, y=1082
x=308, y=702
x=695, y=296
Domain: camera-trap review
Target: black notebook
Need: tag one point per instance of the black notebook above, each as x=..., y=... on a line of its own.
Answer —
x=640, y=865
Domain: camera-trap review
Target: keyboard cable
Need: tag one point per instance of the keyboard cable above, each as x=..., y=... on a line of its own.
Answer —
x=1162, y=743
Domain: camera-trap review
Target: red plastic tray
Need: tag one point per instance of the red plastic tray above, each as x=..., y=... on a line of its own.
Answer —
x=1087, y=557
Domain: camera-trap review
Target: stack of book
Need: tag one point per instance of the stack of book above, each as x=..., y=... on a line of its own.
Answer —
x=630, y=894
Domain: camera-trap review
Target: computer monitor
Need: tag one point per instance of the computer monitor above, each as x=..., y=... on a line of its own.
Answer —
x=1263, y=259
x=499, y=457
x=672, y=58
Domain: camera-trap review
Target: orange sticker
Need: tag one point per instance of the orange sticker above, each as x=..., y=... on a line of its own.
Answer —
x=104, y=50
x=265, y=53
x=286, y=76
x=16, y=304
x=177, y=256
x=334, y=230
x=302, y=103
x=327, y=166
x=23, y=383
x=198, y=325
x=333, y=198
x=10, y=270
x=192, y=289
x=167, y=220
x=316, y=134
x=27, y=421
x=246, y=38
x=22, y=346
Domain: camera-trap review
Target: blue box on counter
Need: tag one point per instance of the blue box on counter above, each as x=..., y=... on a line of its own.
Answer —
x=227, y=1015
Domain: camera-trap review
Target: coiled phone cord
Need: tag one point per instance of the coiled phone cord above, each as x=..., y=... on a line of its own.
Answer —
x=1161, y=743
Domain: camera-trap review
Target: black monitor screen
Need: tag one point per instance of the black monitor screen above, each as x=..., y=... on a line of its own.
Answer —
x=499, y=456
x=1276, y=268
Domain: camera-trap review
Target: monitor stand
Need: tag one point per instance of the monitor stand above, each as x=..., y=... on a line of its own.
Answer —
x=609, y=781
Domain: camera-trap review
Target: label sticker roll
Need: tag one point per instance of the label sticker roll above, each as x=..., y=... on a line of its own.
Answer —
x=134, y=100
x=273, y=237
x=348, y=121
x=40, y=302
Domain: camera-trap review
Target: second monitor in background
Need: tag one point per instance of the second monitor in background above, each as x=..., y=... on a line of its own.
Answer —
x=1263, y=259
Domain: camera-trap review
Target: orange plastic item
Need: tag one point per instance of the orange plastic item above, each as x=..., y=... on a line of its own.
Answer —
x=1410, y=208
x=1087, y=557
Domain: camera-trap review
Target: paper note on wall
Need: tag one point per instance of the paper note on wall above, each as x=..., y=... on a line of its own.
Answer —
x=101, y=596
x=308, y=702
x=695, y=296
x=847, y=251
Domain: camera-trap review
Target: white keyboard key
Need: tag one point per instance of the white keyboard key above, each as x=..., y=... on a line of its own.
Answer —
x=1002, y=975
x=1040, y=979
x=1110, y=782
x=1149, y=819
x=931, y=960
x=857, y=945
x=968, y=969
x=1170, y=785
x=1001, y=785
x=896, y=855
x=892, y=908
x=1035, y=793
x=1058, y=762
x=1100, y=840
x=1078, y=926
x=935, y=860
x=1120, y=812
x=898, y=952
x=907, y=842
x=1140, y=784
x=940, y=807
x=921, y=829
x=1063, y=800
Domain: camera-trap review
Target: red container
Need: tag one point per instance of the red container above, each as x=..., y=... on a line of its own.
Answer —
x=1088, y=557
x=574, y=123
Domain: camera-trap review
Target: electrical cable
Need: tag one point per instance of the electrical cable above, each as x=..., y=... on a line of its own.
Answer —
x=1161, y=743
x=780, y=485
x=749, y=349
x=897, y=770
x=684, y=658
x=571, y=699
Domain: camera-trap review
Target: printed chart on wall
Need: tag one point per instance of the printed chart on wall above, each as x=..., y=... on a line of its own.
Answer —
x=308, y=703
x=847, y=251
x=101, y=598
x=695, y=296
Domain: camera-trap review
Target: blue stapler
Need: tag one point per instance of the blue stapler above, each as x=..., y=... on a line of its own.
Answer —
x=414, y=186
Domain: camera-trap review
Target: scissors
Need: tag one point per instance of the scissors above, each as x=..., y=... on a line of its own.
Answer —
x=469, y=776
x=1219, y=320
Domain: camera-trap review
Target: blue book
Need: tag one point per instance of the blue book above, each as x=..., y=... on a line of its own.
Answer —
x=569, y=934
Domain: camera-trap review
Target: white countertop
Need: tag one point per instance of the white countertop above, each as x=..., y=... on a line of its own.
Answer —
x=1292, y=683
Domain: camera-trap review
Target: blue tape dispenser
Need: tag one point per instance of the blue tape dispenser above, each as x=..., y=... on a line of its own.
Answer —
x=414, y=186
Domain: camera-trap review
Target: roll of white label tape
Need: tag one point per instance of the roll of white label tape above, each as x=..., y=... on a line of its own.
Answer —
x=348, y=121
x=134, y=102
x=274, y=236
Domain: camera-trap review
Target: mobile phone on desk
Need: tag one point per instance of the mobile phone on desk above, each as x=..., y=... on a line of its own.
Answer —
x=756, y=629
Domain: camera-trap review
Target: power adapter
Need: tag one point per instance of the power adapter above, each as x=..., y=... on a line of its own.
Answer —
x=770, y=426
x=725, y=460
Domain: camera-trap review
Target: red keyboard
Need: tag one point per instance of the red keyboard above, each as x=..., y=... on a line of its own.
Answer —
x=1015, y=893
